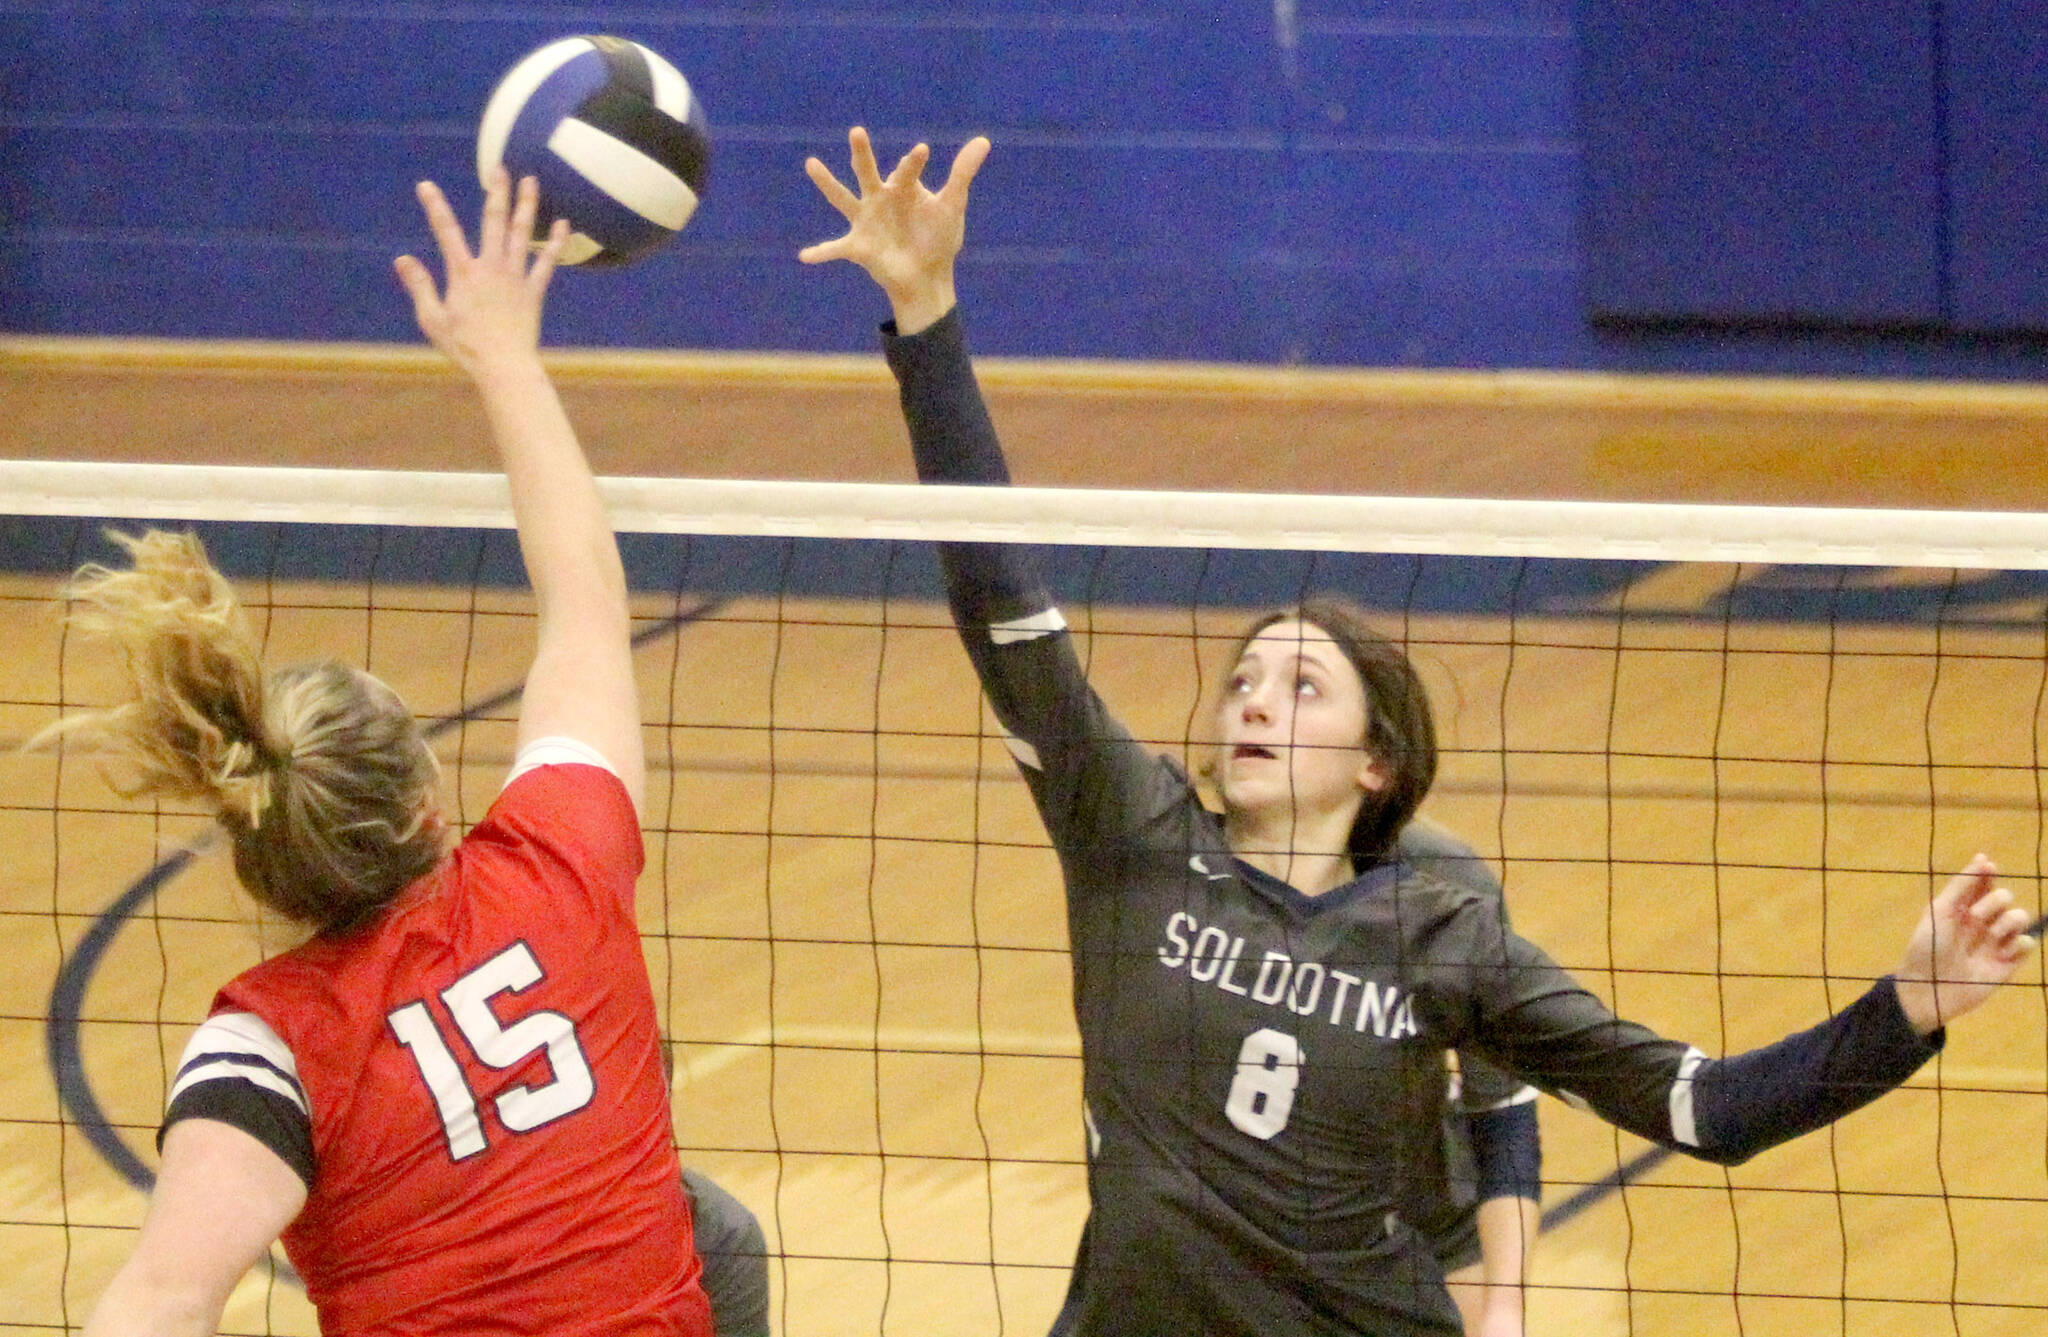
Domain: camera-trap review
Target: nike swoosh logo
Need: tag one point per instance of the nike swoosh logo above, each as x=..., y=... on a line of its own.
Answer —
x=1195, y=862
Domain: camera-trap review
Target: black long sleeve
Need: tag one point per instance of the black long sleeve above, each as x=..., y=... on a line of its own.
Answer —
x=953, y=440
x=1539, y=1023
x=951, y=434
x=1088, y=776
x=1749, y=1102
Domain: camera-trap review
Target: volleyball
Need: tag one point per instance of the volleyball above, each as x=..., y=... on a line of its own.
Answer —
x=613, y=134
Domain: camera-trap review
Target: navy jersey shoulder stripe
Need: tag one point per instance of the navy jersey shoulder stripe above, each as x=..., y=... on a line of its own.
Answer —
x=263, y=1114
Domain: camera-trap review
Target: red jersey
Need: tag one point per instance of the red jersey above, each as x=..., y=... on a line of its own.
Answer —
x=480, y=1068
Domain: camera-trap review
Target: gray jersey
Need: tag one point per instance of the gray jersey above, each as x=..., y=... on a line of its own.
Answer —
x=1264, y=1071
x=1480, y=1086
x=735, y=1253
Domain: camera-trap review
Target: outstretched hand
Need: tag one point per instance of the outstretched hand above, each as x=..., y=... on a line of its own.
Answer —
x=904, y=235
x=1970, y=941
x=491, y=310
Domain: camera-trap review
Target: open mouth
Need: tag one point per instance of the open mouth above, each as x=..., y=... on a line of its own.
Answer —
x=1244, y=750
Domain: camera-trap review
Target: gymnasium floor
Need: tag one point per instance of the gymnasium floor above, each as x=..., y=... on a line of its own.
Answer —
x=894, y=1077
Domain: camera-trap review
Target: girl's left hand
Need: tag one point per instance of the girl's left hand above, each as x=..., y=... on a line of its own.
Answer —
x=1970, y=941
x=902, y=233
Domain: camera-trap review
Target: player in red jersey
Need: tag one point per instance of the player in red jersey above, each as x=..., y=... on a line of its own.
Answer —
x=449, y=1102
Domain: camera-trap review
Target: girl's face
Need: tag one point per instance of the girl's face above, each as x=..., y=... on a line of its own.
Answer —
x=1291, y=727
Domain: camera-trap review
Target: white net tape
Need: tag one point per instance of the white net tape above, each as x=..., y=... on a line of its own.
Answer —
x=1995, y=540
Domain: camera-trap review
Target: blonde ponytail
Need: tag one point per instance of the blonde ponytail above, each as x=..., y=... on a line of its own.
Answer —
x=192, y=728
x=319, y=773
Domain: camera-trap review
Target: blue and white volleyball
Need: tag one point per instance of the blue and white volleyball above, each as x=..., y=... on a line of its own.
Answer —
x=614, y=136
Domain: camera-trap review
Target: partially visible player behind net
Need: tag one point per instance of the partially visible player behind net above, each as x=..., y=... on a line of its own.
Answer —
x=1252, y=1150
x=731, y=1242
x=448, y=1102
x=1481, y=1208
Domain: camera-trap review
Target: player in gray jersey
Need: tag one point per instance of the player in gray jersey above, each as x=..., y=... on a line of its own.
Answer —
x=1481, y=1210
x=1478, y=1205
x=1265, y=995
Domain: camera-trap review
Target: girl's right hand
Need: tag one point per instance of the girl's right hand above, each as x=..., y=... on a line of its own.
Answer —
x=490, y=311
x=902, y=234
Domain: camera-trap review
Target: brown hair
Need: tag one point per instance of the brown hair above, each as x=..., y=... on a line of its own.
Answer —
x=320, y=775
x=1400, y=731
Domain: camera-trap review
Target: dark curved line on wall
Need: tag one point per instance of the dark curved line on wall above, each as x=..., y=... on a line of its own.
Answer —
x=67, y=996
x=67, y=1000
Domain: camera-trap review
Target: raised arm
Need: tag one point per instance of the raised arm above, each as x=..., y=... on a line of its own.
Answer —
x=581, y=685
x=1086, y=773
x=907, y=238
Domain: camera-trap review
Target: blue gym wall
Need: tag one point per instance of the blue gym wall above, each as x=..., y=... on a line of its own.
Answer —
x=1381, y=182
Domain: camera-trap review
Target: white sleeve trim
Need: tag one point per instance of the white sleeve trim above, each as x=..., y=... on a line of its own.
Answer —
x=1027, y=628
x=240, y=1045
x=241, y=1072
x=1683, y=1129
x=557, y=750
x=1520, y=1097
x=1025, y=754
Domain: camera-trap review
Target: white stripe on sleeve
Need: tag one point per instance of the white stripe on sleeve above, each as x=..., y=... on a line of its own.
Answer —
x=557, y=750
x=240, y=1045
x=1683, y=1129
x=253, y=1074
x=1520, y=1097
x=1025, y=754
x=1027, y=628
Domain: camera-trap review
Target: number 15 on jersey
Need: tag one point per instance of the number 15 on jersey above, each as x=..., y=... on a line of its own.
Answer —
x=523, y=1108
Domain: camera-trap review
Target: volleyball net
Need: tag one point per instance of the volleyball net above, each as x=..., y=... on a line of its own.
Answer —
x=1718, y=755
